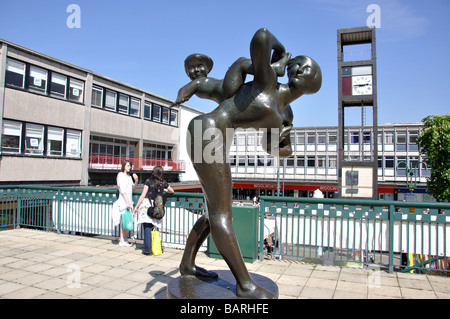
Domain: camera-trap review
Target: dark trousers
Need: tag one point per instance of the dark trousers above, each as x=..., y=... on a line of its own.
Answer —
x=147, y=238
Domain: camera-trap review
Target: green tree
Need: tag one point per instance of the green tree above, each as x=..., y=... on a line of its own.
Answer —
x=434, y=142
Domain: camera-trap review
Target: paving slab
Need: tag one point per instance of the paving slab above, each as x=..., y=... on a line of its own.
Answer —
x=41, y=265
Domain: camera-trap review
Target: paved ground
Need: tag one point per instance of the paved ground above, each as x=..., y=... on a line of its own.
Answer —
x=36, y=264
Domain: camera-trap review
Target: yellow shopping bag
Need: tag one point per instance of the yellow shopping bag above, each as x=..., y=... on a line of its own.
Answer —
x=156, y=243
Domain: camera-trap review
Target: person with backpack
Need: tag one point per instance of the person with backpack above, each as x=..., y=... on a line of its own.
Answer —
x=150, y=206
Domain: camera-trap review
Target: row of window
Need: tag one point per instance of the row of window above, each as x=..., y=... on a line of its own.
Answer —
x=330, y=138
x=387, y=165
x=43, y=81
x=36, y=139
x=103, y=146
x=118, y=102
x=39, y=80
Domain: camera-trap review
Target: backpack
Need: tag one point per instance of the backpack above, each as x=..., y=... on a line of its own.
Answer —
x=157, y=210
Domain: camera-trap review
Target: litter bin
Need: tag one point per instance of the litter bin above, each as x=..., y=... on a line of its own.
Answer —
x=245, y=223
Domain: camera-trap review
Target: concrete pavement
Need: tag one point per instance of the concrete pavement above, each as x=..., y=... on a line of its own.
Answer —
x=37, y=264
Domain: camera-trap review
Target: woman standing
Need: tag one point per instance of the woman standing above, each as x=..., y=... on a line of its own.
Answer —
x=125, y=185
x=155, y=185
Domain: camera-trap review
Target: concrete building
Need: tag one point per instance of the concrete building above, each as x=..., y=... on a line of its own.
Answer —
x=62, y=124
x=313, y=164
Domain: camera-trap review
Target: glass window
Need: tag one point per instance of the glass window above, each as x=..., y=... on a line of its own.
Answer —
x=389, y=162
x=241, y=161
x=37, y=80
x=401, y=166
x=55, y=138
x=300, y=161
x=11, y=136
x=34, y=139
x=290, y=161
x=354, y=138
x=413, y=137
x=58, y=85
x=123, y=103
x=321, y=161
x=401, y=141
x=251, y=140
x=73, y=143
x=366, y=137
x=260, y=160
x=300, y=138
x=311, y=161
x=135, y=107
x=110, y=100
x=311, y=138
x=332, y=162
x=15, y=73
x=241, y=140
x=389, y=138
x=173, y=117
x=76, y=89
x=322, y=138
x=156, y=114
x=250, y=160
x=165, y=115
x=97, y=96
x=147, y=110
x=332, y=138
x=412, y=145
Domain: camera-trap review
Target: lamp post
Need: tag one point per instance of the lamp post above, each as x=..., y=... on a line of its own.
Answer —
x=410, y=173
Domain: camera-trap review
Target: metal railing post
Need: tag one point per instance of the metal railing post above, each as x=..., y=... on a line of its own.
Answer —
x=391, y=238
x=262, y=209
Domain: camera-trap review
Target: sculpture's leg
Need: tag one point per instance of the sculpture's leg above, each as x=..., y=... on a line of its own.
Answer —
x=217, y=187
x=235, y=76
x=197, y=236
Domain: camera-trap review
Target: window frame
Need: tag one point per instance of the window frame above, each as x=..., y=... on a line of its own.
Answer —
x=137, y=110
x=10, y=64
x=33, y=81
x=97, y=89
x=52, y=86
x=13, y=125
x=33, y=132
x=49, y=139
x=110, y=107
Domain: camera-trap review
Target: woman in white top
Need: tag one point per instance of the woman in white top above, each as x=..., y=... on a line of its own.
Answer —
x=125, y=184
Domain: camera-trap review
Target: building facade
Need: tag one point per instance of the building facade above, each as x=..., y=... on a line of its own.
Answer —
x=62, y=124
x=313, y=164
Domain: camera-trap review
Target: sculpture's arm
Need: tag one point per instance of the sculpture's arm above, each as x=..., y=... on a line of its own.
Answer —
x=261, y=46
x=186, y=92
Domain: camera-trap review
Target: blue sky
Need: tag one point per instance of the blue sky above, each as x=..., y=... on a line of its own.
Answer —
x=144, y=43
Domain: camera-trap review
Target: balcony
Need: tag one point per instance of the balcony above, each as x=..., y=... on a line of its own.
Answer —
x=103, y=162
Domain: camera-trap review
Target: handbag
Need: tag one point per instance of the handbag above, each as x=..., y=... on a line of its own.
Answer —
x=127, y=220
x=156, y=242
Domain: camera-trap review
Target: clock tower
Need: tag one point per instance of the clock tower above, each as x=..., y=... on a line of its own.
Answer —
x=357, y=141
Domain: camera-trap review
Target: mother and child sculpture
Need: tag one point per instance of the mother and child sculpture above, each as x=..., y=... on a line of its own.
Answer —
x=262, y=104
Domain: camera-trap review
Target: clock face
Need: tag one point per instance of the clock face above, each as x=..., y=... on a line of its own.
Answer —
x=362, y=85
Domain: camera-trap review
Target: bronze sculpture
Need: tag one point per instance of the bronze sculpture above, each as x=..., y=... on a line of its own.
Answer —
x=262, y=104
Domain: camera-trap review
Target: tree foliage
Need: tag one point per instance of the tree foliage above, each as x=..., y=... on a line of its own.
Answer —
x=434, y=142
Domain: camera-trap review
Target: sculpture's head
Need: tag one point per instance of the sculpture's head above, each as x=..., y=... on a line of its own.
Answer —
x=197, y=65
x=305, y=74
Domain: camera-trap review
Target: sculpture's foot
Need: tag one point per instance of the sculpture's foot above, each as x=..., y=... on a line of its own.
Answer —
x=254, y=291
x=197, y=271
